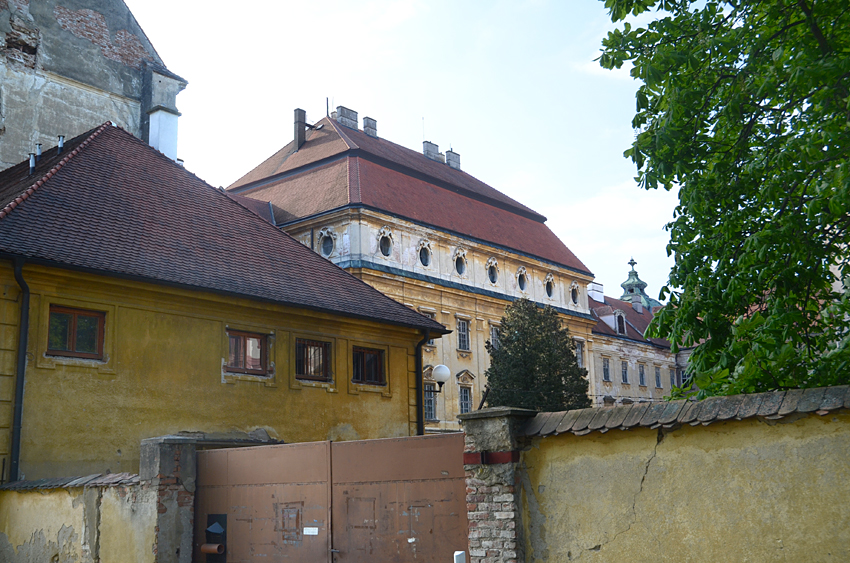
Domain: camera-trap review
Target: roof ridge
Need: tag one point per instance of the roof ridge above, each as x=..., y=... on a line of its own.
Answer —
x=50, y=173
x=345, y=138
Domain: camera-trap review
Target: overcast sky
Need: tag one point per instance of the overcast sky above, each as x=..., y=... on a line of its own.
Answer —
x=512, y=86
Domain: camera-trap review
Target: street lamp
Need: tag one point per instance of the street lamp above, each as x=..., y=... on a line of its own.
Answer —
x=441, y=375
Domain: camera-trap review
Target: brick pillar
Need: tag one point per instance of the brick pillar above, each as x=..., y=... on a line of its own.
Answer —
x=168, y=466
x=490, y=459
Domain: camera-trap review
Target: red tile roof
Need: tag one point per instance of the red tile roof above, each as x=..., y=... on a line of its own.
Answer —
x=391, y=178
x=636, y=323
x=113, y=205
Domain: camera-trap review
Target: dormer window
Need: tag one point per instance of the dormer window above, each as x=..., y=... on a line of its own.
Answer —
x=621, y=324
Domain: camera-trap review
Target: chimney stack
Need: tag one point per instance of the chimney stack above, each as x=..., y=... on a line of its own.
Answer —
x=32, y=163
x=636, y=303
x=370, y=126
x=38, y=151
x=432, y=151
x=300, y=128
x=347, y=117
x=453, y=159
x=61, y=144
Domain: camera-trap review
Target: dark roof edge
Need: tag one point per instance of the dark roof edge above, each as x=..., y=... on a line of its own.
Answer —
x=621, y=337
x=436, y=228
x=771, y=405
x=50, y=173
x=177, y=285
x=454, y=285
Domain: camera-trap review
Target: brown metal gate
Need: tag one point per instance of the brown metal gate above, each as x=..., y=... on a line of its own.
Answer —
x=394, y=500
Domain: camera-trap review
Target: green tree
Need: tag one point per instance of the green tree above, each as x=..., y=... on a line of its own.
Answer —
x=534, y=364
x=744, y=107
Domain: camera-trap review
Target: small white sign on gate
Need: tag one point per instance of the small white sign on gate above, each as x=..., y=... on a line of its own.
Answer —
x=311, y=531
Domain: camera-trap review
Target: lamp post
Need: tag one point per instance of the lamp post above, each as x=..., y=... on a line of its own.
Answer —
x=441, y=375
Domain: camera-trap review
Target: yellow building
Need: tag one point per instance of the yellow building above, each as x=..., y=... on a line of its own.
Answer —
x=427, y=234
x=138, y=301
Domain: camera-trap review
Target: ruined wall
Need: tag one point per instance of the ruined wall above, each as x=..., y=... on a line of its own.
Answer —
x=67, y=66
x=163, y=373
x=748, y=490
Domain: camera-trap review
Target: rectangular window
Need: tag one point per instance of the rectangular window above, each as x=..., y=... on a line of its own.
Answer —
x=75, y=333
x=625, y=366
x=642, y=375
x=672, y=378
x=430, y=406
x=580, y=354
x=681, y=379
x=658, y=377
x=606, y=370
x=494, y=337
x=247, y=353
x=462, y=334
x=369, y=366
x=312, y=359
x=465, y=400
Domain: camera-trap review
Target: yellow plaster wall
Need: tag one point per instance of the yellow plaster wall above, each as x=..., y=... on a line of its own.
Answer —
x=735, y=491
x=127, y=524
x=41, y=525
x=10, y=311
x=163, y=374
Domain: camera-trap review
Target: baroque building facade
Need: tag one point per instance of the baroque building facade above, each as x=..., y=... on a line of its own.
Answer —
x=628, y=366
x=419, y=229
x=67, y=67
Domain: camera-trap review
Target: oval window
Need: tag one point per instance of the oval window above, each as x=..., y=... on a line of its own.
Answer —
x=550, y=288
x=574, y=295
x=493, y=274
x=386, y=245
x=327, y=245
x=460, y=265
x=522, y=282
x=425, y=256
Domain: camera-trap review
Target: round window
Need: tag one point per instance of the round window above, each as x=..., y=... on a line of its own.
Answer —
x=574, y=295
x=550, y=288
x=522, y=282
x=327, y=245
x=460, y=265
x=493, y=274
x=425, y=256
x=386, y=245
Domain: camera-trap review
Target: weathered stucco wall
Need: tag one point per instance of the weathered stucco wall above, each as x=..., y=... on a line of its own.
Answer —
x=163, y=374
x=83, y=525
x=749, y=490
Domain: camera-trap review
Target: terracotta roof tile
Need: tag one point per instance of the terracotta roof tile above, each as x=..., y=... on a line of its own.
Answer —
x=714, y=409
x=118, y=207
x=553, y=421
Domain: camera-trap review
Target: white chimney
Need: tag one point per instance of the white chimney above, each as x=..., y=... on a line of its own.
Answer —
x=453, y=159
x=370, y=126
x=637, y=305
x=594, y=291
x=347, y=117
x=432, y=151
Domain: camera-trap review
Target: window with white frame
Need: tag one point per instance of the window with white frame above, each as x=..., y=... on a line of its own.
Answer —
x=658, y=377
x=579, y=353
x=494, y=337
x=621, y=322
x=430, y=403
x=465, y=396
x=606, y=369
x=642, y=375
x=463, y=335
x=672, y=378
x=433, y=316
x=625, y=367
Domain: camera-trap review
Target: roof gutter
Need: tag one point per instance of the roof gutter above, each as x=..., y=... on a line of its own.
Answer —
x=23, y=334
x=420, y=407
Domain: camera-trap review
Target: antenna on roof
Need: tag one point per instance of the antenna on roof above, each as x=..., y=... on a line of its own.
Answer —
x=327, y=107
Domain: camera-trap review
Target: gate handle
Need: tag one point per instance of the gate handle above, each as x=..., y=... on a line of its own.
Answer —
x=334, y=550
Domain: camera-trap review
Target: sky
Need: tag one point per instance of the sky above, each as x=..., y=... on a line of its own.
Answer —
x=512, y=86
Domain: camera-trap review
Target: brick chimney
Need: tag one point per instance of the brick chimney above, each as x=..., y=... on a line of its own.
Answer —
x=300, y=128
x=347, y=117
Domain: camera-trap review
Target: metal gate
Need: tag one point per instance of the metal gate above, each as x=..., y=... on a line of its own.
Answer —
x=390, y=500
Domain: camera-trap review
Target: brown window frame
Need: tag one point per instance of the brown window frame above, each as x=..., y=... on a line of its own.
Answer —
x=72, y=332
x=358, y=358
x=264, y=353
x=302, y=345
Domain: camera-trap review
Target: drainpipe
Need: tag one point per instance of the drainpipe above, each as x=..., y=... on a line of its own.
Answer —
x=420, y=408
x=14, y=468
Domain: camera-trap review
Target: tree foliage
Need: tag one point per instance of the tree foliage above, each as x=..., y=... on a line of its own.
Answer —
x=534, y=365
x=744, y=107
